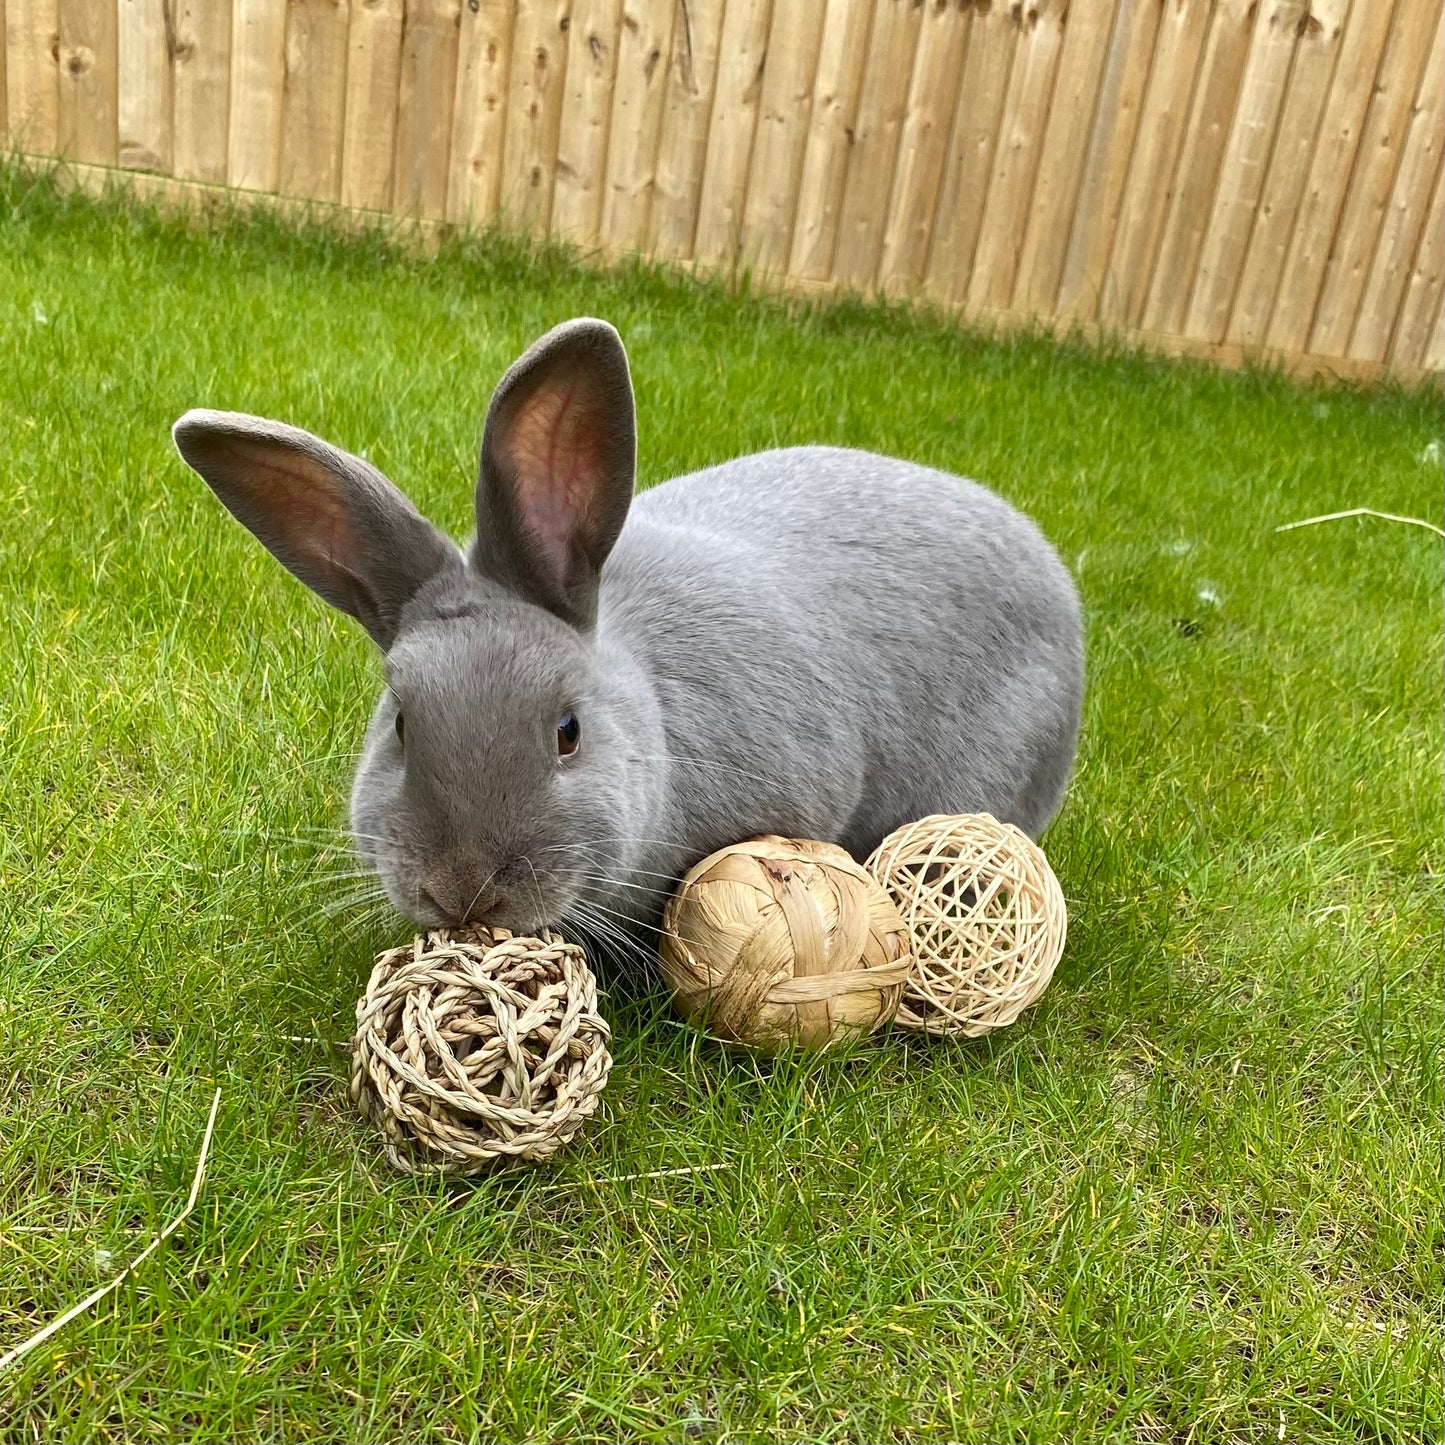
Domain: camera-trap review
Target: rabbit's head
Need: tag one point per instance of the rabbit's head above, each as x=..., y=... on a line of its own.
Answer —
x=498, y=782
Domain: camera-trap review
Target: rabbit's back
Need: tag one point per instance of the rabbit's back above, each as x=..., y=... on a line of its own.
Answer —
x=867, y=639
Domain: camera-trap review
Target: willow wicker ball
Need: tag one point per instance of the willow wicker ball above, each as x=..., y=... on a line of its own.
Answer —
x=473, y=1049
x=986, y=917
x=777, y=942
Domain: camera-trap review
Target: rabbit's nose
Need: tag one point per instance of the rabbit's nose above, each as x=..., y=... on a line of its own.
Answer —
x=460, y=898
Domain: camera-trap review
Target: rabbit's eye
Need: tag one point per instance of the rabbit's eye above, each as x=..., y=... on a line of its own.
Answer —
x=569, y=734
x=401, y=729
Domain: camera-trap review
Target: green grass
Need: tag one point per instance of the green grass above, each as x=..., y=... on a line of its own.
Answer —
x=1194, y=1195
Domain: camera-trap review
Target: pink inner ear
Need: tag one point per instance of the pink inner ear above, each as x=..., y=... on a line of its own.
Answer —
x=557, y=445
x=299, y=502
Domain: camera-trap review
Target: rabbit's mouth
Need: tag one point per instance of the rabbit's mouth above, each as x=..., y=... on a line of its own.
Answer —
x=515, y=895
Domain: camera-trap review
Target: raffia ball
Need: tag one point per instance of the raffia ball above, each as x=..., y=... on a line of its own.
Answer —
x=986, y=916
x=777, y=942
x=474, y=1049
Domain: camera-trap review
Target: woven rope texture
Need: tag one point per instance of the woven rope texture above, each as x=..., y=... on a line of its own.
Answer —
x=473, y=1049
x=777, y=941
x=986, y=917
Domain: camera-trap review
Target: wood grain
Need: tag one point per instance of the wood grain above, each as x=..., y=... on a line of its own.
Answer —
x=1246, y=158
x=1065, y=146
x=923, y=145
x=1382, y=139
x=315, y=99
x=1296, y=136
x=1420, y=310
x=201, y=80
x=1152, y=169
x=842, y=51
x=32, y=92
x=1086, y=274
x=425, y=107
x=88, y=65
x=887, y=73
x=373, y=91
x=535, y=89
x=1016, y=156
x=1206, y=135
x=992, y=38
x=592, y=43
x=258, y=86
x=644, y=53
x=781, y=137
x=742, y=58
x=144, y=39
x=479, y=111
x=687, y=111
x=1311, y=236
x=1399, y=236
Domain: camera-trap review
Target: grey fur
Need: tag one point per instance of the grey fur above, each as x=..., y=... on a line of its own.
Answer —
x=811, y=641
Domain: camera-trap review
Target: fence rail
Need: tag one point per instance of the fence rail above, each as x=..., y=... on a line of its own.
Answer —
x=1232, y=177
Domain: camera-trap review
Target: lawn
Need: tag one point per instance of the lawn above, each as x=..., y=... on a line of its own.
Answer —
x=1195, y=1194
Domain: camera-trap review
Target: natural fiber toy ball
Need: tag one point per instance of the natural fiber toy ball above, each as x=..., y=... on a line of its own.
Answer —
x=986, y=917
x=776, y=941
x=475, y=1048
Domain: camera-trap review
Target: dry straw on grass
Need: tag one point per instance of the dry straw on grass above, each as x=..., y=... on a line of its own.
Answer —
x=474, y=1049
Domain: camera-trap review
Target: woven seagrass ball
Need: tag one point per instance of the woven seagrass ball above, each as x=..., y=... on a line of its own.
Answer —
x=986, y=918
x=777, y=942
x=476, y=1048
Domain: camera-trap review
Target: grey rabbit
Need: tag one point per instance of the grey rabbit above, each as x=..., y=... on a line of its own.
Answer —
x=812, y=641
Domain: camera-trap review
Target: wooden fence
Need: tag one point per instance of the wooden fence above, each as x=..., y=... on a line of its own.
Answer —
x=1232, y=177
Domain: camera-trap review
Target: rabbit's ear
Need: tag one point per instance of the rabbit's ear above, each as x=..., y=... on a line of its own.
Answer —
x=330, y=518
x=558, y=458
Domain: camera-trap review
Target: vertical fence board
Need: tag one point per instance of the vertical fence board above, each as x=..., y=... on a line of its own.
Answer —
x=1289, y=168
x=742, y=59
x=644, y=54
x=794, y=35
x=691, y=79
x=86, y=112
x=1389, y=271
x=424, y=108
x=1435, y=351
x=538, y=74
x=479, y=111
x=315, y=99
x=202, y=81
x=923, y=145
x=1425, y=289
x=1016, y=156
x=4, y=62
x=992, y=38
x=1091, y=237
x=592, y=44
x=143, y=99
x=373, y=90
x=1191, y=201
x=258, y=71
x=887, y=73
x=841, y=54
x=1386, y=125
x=1241, y=177
x=1308, y=246
x=1066, y=139
x=1156, y=155
x=32, y=43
